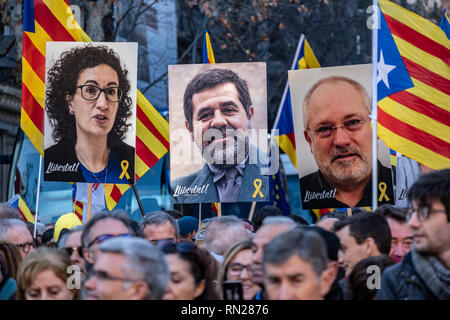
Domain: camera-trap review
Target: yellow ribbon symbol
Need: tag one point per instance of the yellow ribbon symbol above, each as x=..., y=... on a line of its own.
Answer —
x=124, y=164
x=257, y=183
x=382, y=187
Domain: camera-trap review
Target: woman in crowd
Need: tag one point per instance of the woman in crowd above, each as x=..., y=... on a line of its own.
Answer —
x=12, y=258
x=43, y=275
x=88, y=105
x=236, y=266
x=192, y=272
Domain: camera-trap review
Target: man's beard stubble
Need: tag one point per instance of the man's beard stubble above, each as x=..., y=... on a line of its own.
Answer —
x=344, y=172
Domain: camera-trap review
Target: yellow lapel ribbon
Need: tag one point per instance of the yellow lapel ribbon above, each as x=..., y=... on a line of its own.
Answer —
x=382, y=187
x=124, y=164
x=257, y=183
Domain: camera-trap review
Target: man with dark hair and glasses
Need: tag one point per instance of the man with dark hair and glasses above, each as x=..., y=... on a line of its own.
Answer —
x=336, y=118
x=101, y=227
x=16, y=232
x=424, y=273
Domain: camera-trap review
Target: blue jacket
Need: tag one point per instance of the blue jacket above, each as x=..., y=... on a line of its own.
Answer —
x=8, y=288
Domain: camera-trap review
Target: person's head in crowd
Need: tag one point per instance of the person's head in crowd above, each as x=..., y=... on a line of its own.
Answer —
x=16, y=232
x=12, y=258
x=401, y=232
x=8, y=212
x=343, y=155
x=101, y=227
x=362, y=236
x=66, y=221
x=362, y=272
x=264, y=212
x=429, y=216
x=174, y=214
x=248, y=225
x=328, y=219
x=71, y=243
x=192, y=271
x=188, y=227
x=47, y=236
x=298, y=219
x=127, y=269
x=222, y=232
x=271, y=227
x=295, y=266
x=236, y=266
x=43, y=275
x=158, y=225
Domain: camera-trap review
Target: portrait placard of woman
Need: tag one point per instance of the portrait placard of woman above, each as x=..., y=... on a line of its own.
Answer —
x=90, y=111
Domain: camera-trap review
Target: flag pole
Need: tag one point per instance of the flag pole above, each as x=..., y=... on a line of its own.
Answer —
x=89, y=203
x=252, y=210
x=37, y=197
x=375, y=27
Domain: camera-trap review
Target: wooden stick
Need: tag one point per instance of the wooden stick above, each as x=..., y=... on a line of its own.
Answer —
x=219, y=209
x=199, y=217
x=89, y=201
x=252, y=210
x=349, y=212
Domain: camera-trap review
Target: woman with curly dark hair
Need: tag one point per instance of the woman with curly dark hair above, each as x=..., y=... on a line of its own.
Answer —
x=88, y=105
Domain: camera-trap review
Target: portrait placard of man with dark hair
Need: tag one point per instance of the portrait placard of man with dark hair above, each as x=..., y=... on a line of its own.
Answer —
x=218, y=133
x=90, y=112
x=333, y=129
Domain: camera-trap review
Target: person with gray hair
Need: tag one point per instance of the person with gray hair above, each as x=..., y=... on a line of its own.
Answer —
x=158, y=225
x=8, y=212
x=270, y=228
x=222, y=232
x=16, y=232
x=127, y=269
x=295, y=266
x=71, y=243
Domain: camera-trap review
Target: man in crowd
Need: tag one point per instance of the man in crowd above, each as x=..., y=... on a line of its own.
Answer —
x=402, y=234
x=221, y=233
x=219, y=115
x=127, y=269
x=101, y=227
x=337, y=128
x=16, y=232
x=295, y=266
x=270, y=228
x=188, y=226
x=424, y=272
x=8, y=212
x=159, y=225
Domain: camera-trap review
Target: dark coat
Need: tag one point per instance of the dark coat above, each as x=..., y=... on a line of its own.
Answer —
x=402, y=282
x=63, y=154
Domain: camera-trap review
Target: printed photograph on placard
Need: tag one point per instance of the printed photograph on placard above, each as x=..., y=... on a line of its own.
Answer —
x=333, y=133
x=90, y=112
x=218, y=132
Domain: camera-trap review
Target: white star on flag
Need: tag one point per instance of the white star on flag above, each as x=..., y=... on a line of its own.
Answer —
x=383, y=70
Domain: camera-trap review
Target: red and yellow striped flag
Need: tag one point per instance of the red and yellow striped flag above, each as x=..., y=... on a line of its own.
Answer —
x=51, y=20
x=416, y=121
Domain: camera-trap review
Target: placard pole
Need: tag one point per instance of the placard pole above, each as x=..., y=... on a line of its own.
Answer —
x=252, y=210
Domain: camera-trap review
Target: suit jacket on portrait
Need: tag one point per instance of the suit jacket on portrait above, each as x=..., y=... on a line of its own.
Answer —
x=204, y=179
x=62, y=155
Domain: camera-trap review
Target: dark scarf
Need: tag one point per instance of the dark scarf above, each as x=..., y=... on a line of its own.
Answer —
x=435, y=275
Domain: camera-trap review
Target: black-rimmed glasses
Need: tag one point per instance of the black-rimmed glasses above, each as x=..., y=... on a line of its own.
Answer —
x=168, y=246
x=25, y=247
x=105, y=237
x=91, y=93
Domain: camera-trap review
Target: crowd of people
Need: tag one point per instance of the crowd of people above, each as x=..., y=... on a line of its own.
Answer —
x=389, y=254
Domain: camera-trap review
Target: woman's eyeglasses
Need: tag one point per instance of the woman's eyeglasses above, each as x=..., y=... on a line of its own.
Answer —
x=91, y=93
x=236, y=268
x=105, y=237
x=79, y=250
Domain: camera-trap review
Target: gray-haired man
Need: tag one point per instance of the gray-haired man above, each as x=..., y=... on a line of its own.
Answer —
x=158, y=225
x=127, y=269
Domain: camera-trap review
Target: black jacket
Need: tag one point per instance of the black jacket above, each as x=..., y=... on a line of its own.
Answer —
x=402, y=282
x=61, y=163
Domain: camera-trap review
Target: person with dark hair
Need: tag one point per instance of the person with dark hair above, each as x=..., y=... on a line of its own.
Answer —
x=11, y=257
x=424, y=273
x=298, y=219
x=188, y=227
x=264, y=212
x=295, y=266
x=47, y=236
x=219, y=115
x=402, y=234
x=8, y=285
x=88, y=104
x=336, y=118
x=360, y=277
x=193, y=271
x=101, y=227
x=174, y=214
